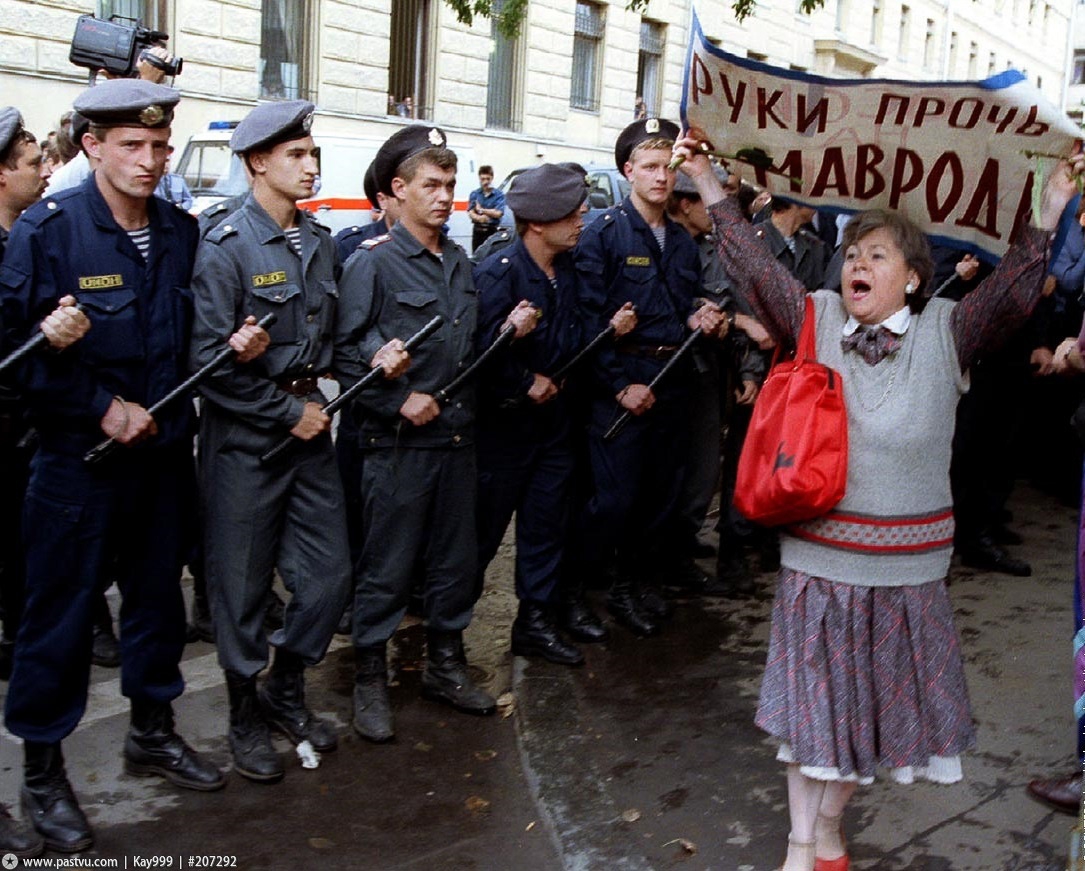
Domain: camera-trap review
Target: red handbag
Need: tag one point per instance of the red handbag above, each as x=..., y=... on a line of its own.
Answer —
x=794, y=463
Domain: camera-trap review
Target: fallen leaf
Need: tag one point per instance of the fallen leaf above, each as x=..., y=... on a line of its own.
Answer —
x=321, y=843
x=631, y=815
x=530, y=826
x=423, y=747
x=687, y=846
x=477, y=805
x=485, y=755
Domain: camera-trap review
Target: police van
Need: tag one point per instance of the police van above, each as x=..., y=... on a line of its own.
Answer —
x=214, y=173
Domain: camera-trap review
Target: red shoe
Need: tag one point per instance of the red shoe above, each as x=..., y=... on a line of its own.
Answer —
x=839, y=864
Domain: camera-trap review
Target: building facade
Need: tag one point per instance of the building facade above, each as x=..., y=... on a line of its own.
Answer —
x=579, y=71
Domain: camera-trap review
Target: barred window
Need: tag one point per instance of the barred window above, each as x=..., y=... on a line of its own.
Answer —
x=587, y=56
x=502, y=110
x=151, y=12
x=1078, y=77
x=410, y=57
x=650, y=66
x=284, y=49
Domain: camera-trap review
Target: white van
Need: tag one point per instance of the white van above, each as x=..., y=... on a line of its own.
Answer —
x=214, y=173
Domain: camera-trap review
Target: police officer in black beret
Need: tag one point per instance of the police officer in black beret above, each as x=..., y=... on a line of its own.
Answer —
x=525, y=438
x=270, y=257
x=419, y=474
x=635, y=252
x=128, y=259
x=348, y=240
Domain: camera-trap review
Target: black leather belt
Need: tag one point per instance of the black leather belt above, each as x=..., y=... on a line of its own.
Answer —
x=297, y=386
x=653, y=352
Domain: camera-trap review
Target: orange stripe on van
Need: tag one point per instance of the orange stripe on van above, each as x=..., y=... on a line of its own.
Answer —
x=356, y=204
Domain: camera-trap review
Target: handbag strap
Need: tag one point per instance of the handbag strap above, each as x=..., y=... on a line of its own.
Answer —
x=806, y=347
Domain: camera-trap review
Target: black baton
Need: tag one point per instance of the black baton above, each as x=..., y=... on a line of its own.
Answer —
x=558, y=376
x=104, y=449
x=347, y=396
x=29, y=346
x=672, y=361
x=503, y=339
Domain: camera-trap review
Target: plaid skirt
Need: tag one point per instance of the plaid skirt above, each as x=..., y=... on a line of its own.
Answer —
x=860, y=678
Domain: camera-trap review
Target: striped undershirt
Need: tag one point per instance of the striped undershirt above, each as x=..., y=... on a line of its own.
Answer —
x=141, y=238
x=293, y=236
x=661, y=236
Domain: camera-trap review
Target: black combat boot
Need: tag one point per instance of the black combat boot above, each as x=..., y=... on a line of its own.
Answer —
x=250, y=743
x=577, y=618
x=106, y=650
x=445, y=677
x=153, y=749
x=733, y=574
x=48, y=802
x=18, y=839
x=651, y=602
x=624, y=607
x=534, y=634
x=372, y=709
x=283, y=699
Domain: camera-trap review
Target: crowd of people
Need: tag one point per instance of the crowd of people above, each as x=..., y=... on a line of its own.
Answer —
x=593, y=381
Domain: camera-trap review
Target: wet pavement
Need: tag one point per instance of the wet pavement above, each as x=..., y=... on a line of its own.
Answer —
x=645, y=758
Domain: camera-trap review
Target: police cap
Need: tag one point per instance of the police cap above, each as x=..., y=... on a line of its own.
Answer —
x=369, y=185
x=641, y=131
x=79, y=125
x=11, y=124
x=128, y=103
x=546, y=193
x=271, y=123
x=402, y=144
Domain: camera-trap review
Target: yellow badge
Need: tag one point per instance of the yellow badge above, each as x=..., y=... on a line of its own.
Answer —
x=151, y=115
x=99, y=282
x=638, y=261
x=269, y=278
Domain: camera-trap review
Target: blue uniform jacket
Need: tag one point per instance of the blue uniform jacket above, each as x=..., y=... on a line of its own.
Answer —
x=245, y=266
x=618, y=261
x=391, y=291
x=348, y=240
x=504, y=279
x=140, y=313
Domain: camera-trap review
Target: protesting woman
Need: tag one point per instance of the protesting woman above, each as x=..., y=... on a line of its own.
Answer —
x=864, y=666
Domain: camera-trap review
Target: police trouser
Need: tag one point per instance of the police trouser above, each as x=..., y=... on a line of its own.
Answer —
x=287, y=515
x=525, y=462
x=702, y=473
x=78, y=520
x=16, y=459
x=349, y=455
x=419, y=522
x=637, y=478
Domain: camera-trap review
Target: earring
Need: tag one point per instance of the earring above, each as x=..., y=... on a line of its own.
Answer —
x=909, y=289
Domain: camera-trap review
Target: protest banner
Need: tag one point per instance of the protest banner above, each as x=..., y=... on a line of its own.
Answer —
x=958, y=158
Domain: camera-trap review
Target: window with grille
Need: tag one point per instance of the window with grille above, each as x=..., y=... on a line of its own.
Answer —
x=504, y=81
x=284, y=49
x=650, y=68
x=1079, y=68
x=588, y=31
x=151, y=12
x=410, y=58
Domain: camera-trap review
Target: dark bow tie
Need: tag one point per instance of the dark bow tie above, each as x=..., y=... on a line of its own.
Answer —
x=873, y=343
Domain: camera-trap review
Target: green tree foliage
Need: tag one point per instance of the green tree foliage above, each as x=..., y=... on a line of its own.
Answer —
x=510, y=14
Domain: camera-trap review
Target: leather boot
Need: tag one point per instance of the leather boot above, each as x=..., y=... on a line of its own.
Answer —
x=733, y=574
x=445, y=677
x=48, y=802
x=17, y=838
x=283, y=699
x=578, y=619
x=534, y=634
x=624, y=607
x=372, y=708
x=652, y=602
x=153, y=749
x=686, y=576
x=106, y=650
x=250, y=743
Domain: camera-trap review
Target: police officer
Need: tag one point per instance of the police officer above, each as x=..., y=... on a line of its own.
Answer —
x=635, y=252
x=269, y=257
x=348, y=240
x=419, y=474
x=129, y=257
x=525, y=450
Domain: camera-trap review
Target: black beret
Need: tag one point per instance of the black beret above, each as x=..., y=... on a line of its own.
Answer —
x=11, y=123
x=641, y=131
x=401, y=145
x=546, y=193
x=369, y=185
x=128, y=103
x=79, y=125
x=271, y=123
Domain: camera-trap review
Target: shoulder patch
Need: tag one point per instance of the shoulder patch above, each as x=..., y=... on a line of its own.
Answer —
x=222, y=231
x=369, y=244
x=215, y=209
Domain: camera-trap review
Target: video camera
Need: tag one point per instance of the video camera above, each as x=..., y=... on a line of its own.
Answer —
x=117, y=47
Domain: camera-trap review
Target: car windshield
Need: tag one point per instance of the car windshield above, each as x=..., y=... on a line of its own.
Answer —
x=210, y=168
